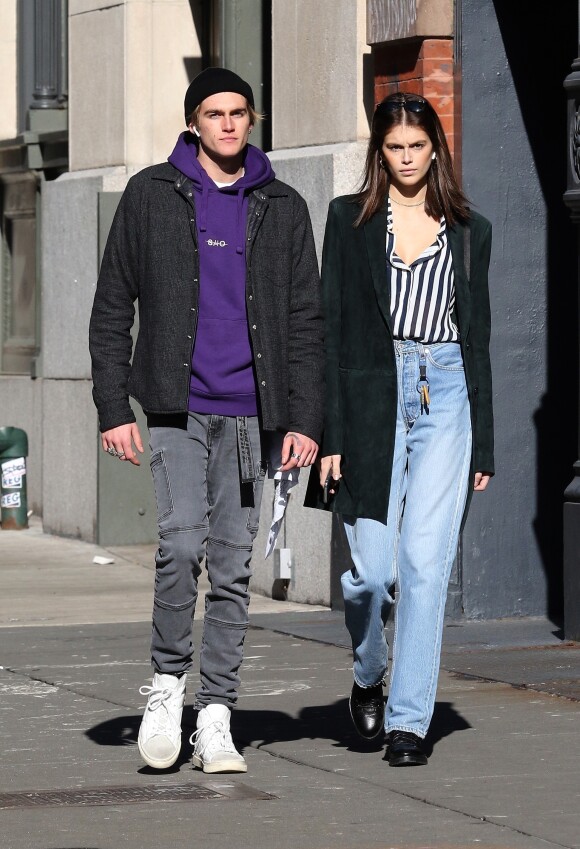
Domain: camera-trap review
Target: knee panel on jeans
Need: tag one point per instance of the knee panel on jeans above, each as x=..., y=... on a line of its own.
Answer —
x=185, y=547
x=178, y=567
x=163, y=604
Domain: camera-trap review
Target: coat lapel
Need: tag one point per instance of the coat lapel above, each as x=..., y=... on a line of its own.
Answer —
x=376, y=239
x=462, y=293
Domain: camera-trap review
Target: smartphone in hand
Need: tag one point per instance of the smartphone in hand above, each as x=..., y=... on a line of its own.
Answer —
x=329, y=489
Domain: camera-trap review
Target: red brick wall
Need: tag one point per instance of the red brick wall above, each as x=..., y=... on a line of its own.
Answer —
x=422, y=67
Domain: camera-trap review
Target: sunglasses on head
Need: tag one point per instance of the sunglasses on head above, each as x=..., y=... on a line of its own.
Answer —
x=414, y=104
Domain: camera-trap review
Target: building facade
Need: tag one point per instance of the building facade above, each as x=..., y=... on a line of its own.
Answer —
x=93, y=92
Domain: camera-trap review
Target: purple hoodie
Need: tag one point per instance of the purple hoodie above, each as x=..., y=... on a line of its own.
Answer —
x=222, y=376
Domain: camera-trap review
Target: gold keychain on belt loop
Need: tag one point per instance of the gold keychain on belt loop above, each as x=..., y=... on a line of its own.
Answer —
x=423, y=384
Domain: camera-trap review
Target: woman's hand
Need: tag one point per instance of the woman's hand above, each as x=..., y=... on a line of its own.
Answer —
x=481, y=481
x=330, y=466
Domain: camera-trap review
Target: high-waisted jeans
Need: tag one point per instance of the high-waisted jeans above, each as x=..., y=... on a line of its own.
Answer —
x=203, y=511
x=414, y=549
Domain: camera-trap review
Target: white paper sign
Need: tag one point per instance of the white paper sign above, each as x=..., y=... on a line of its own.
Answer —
x=14, y=467
x=11, y=499
x=12, y=471
x=11, y=481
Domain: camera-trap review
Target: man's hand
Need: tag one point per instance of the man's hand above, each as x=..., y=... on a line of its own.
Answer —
x=119, y=442
x=298, y=451
x=481, y=481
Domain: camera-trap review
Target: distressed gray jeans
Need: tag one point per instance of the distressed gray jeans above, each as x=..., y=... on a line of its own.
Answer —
x=203, y=510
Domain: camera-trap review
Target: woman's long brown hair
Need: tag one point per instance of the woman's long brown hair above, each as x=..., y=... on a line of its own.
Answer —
x=444, y=196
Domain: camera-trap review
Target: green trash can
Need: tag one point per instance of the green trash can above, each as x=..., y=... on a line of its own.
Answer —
x=13, y=500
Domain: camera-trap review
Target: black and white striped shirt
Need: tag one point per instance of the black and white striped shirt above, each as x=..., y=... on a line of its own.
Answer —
x=422, y=294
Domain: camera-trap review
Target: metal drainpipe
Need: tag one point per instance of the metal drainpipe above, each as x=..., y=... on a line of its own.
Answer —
x=13, y=501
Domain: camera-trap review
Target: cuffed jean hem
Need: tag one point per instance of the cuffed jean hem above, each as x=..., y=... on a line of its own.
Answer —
x=382, y=680
x=213, y=700
x=419, y=732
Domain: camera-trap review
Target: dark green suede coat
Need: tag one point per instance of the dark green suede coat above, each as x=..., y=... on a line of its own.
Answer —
x=361, y=378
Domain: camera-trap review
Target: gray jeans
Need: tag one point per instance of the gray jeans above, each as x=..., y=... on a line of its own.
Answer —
x=203, y=510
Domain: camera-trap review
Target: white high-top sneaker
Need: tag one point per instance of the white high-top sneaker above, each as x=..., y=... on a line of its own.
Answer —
x=214, y=749
x=160, y=732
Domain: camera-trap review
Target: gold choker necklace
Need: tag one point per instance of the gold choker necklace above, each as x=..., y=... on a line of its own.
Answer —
x=398, y=202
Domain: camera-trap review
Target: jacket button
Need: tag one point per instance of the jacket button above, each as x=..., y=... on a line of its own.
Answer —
x=189, y=194
x=188, y=336
x=185, y=364
x=254, y=327
x=193, y=309
x=263, y=383
x=195, y=279
x=259, y=356
x=250, y=297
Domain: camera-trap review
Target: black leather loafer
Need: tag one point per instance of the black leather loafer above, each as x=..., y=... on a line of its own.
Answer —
x=367, y=708
x=405, y=749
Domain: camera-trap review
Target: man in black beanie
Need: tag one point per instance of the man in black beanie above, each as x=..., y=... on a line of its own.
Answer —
x=214, y=81
x=228, y=368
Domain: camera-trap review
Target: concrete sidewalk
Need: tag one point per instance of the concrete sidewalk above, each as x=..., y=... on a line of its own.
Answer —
x=505, y=739
x=49, y=580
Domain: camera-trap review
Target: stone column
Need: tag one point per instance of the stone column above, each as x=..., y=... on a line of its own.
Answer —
x=572, y=492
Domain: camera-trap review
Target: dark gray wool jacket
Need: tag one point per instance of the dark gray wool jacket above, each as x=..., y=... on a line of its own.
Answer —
x=152, y=256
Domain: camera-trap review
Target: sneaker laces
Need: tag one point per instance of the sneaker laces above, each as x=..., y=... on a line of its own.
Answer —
x=157, y=698
x=219, y=739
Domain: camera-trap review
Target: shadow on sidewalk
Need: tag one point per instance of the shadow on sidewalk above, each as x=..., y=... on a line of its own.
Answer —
x=124, y=730
x=263, y=728
x=331, y=722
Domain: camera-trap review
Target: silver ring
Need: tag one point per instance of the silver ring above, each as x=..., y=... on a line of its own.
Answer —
x=120, y=454
x=296, y=456
x=111, y=451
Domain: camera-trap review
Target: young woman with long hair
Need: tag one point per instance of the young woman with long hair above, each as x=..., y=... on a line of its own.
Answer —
x=409, y=423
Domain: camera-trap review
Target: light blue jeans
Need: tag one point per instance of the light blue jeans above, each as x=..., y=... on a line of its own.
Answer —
x=413, y=551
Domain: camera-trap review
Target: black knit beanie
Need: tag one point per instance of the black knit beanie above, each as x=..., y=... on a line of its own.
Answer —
x=214, y=81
